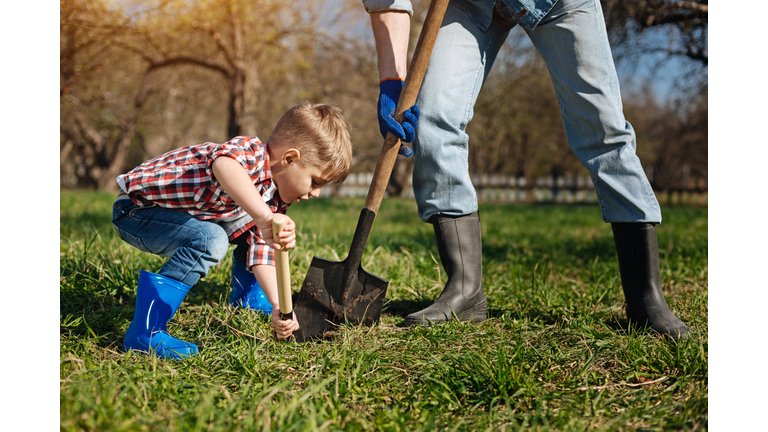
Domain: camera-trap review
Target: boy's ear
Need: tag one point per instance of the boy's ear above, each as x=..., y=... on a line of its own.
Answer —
x=290, y=156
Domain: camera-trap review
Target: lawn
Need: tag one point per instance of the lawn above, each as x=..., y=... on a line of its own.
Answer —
x=555, y=353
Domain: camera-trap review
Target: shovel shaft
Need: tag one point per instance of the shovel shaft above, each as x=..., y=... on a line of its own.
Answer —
x=283, y=271
x=407, y=98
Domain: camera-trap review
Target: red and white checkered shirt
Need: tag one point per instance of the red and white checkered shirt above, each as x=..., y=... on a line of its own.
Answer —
x=183, y=179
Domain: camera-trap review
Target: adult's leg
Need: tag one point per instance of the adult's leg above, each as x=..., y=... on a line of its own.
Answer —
x=573, y=43
x=460, y=61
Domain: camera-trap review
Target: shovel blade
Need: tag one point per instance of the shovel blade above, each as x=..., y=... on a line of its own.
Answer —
x=331, y=296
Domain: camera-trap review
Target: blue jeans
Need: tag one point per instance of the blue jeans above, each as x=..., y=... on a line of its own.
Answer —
x=573, y=43
x=193, y=245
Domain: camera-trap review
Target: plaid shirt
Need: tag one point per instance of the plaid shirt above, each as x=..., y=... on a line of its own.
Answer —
x=183, y=179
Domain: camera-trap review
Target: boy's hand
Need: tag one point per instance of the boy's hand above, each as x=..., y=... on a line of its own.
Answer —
x=283, y=328
x=286, y=237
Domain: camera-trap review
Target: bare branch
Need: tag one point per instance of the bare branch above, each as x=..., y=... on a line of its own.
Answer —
x=228, y=54
x=182, y=60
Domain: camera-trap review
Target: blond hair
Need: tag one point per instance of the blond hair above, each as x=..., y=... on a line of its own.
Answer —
x=321, y=133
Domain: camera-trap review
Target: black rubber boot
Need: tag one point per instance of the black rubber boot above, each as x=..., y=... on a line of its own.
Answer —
x=459, y=244
x=638, y=252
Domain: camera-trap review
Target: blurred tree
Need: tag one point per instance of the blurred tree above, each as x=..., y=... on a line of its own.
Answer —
x=140, y=78
x=686, y=21
x=667, y=30
x=652, y=34
x=681, y=160
x=238, y=40
x=98, y=104
x=172, y=51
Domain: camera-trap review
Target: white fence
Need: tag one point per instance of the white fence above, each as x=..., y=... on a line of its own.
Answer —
x=491, y=188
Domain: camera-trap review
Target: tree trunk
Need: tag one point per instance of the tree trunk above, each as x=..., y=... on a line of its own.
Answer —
x=236, y=103
x=402, y=171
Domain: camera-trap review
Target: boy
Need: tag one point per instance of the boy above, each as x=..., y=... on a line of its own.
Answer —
x=191, y=203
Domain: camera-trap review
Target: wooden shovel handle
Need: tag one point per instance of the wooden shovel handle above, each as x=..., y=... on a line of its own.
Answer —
x=283, y=271
x=407, y=98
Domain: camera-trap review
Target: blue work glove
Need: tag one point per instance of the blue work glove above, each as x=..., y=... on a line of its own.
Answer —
x=389, y=93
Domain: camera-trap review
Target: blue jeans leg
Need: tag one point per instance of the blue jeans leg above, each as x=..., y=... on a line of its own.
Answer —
x=458, y=66
x=193, y=245
x=572, y=41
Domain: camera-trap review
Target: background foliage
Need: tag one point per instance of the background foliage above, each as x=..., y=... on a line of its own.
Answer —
x=142, y=77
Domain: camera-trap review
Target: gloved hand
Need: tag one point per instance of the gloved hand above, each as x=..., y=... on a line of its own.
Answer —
x=389, y=93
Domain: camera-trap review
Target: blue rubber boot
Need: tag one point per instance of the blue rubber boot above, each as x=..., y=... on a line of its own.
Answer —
x=157, y=299
x=246, y=291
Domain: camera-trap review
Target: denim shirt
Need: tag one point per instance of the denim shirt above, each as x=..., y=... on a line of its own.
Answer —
x=530, y=12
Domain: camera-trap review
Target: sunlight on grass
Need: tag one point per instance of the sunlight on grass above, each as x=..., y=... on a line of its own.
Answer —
x=554, y=355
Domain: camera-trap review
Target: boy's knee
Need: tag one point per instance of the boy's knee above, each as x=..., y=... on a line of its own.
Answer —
x=210, y=240
x=218, y=244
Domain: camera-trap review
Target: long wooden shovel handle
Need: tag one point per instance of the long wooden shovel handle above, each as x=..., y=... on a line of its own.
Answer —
x=283, y=271
x=407, y=98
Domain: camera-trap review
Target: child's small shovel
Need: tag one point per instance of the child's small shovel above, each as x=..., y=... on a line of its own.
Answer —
x=335, y=293
x=283, y=271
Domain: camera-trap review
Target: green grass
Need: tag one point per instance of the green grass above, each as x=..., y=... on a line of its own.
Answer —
x=554, y=355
